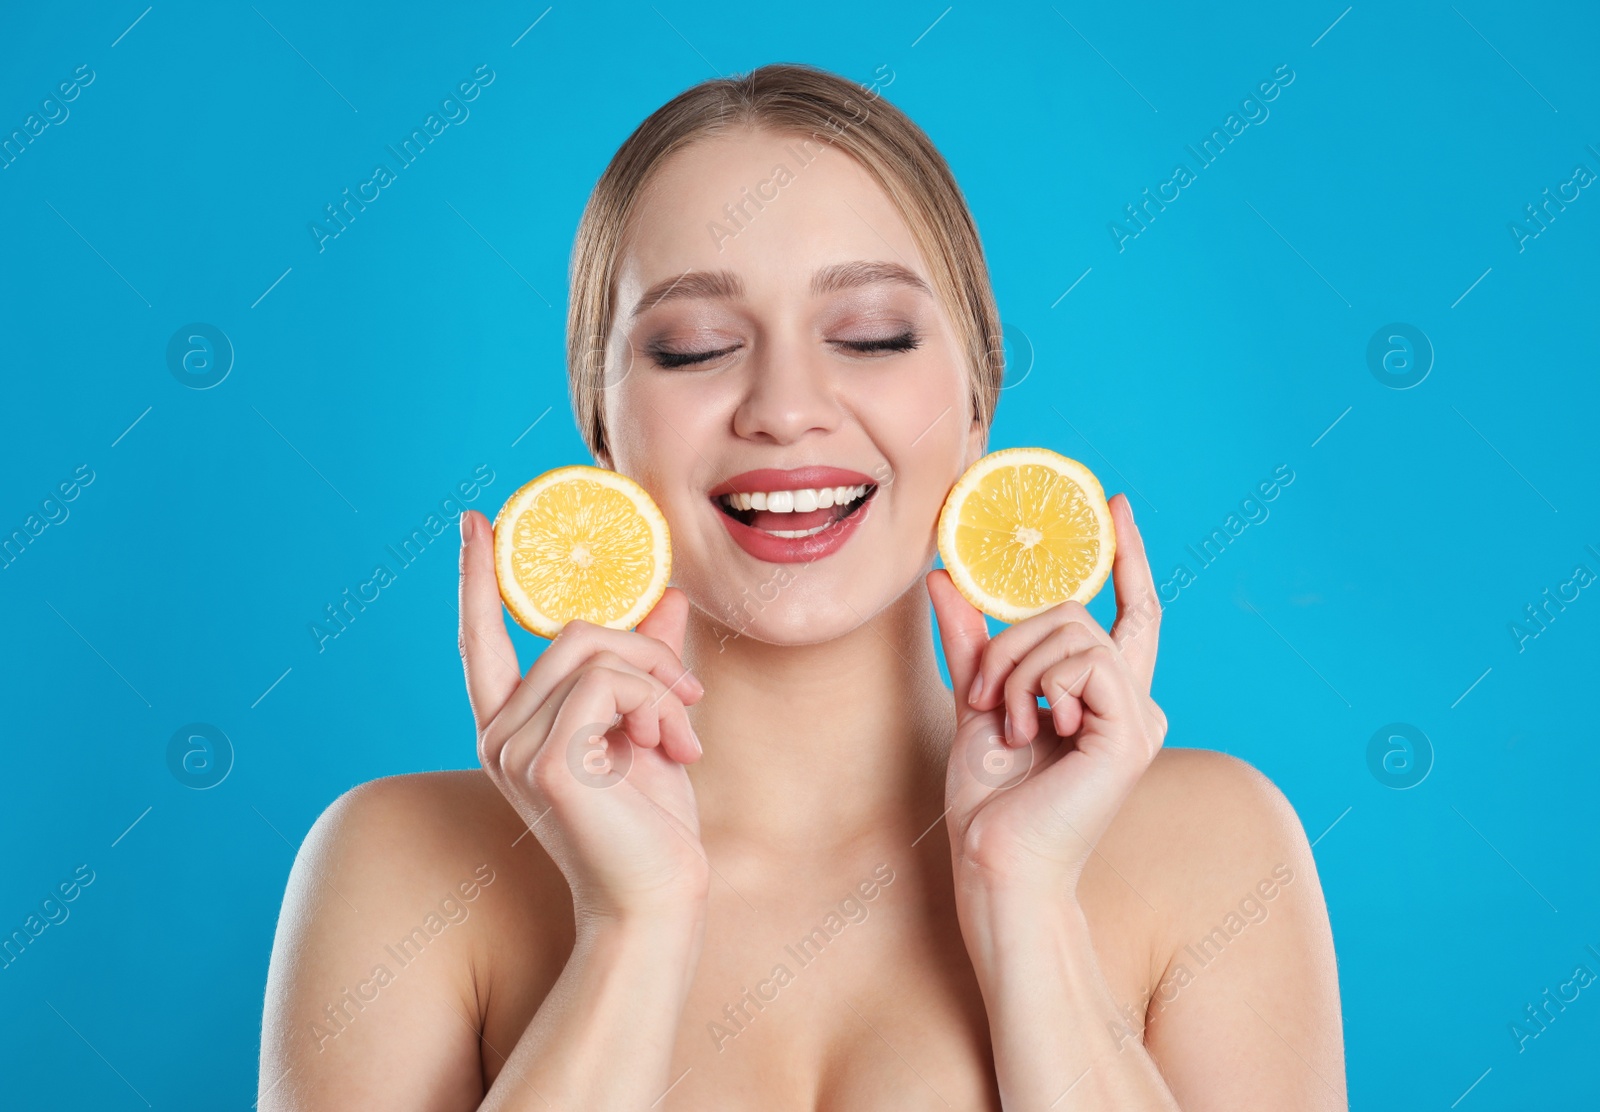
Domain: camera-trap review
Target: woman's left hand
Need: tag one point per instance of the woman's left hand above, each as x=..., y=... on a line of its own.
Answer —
x=1030, y=793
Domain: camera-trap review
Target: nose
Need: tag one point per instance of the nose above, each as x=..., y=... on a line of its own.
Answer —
x=788, y=395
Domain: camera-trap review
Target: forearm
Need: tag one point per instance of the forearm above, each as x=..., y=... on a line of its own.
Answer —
x=603, y=1037
x=1060, y=1041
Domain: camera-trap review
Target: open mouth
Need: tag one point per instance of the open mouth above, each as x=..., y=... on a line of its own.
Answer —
x=796, y=514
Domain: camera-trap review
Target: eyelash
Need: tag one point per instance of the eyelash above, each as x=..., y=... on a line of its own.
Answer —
x=905, y=341
x=672, y=360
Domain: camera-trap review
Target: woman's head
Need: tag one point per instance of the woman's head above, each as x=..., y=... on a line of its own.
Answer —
x=777, y=287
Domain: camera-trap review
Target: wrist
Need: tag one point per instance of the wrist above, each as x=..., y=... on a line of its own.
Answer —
x=1012, y=921
x=670, y=921
x=680, y=905
x=655, y=950
x=1014, y=884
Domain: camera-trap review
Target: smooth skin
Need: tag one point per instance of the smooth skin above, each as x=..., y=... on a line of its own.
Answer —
x=825, y=879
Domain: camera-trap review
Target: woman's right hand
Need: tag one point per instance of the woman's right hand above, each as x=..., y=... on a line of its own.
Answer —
x=590, y=746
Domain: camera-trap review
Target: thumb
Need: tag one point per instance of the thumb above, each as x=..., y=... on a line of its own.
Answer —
x=667, y=620
x=962, y=632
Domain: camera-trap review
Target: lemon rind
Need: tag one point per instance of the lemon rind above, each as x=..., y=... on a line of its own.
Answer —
x=529, y=616
x=950, y=514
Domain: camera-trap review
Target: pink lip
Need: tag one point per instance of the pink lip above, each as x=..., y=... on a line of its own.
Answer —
x=801, y=478
x=792, y=550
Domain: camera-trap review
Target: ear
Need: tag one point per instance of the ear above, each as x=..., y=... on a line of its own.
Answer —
x=977, y=444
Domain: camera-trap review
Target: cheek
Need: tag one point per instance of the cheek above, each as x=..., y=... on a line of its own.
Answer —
x=924, y=475
x=919, y=420
x=650, y=421
x=663, y=431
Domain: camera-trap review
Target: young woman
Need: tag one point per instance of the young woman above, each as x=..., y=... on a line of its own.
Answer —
x=809, y=875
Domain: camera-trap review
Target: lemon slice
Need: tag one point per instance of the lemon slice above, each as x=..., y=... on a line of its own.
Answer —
x=1025, y=529
x=580, y=542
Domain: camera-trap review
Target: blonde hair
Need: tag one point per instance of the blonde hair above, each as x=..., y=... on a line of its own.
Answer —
x=786, y=99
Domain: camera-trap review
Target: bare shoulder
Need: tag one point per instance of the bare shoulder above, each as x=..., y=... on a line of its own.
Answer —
x=1204, y=830
x=438, y=809
x=402, y=897
x=420, y=836
x=1210, y=808
x=1240, y=947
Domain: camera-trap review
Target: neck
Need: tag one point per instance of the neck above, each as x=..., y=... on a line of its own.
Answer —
x=816, y=748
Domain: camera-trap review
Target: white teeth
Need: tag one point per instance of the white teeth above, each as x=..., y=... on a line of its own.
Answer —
x=796, y=501
x=792, y=533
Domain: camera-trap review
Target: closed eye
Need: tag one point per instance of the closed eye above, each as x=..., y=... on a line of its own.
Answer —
x=671, y=359
x=906, y=341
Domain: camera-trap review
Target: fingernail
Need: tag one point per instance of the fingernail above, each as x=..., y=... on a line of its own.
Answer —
x=976, y=691
x=466, y=527
x=694, y=737
x=1129, y=502
x=692, y=686
x=1010, y=739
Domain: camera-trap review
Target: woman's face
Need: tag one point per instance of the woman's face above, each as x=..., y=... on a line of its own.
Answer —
x=788, y=355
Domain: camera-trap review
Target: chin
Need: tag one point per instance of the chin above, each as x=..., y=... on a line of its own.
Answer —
x=793, y=605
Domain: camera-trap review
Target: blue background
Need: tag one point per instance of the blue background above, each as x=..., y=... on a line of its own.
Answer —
x=368, y=379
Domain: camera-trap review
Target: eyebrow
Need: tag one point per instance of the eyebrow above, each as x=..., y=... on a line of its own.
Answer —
x=726, y=284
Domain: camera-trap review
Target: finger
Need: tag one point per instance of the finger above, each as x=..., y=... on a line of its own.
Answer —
x=641, y=724
x=578, y=642
x=525, y=736
x=1025, y=684
x=661, y=720
x=594, y=699
x=667, y=620
x=1012, y=645
x=650, y=714
x=666, y=623
x=1091, y=781
x=515, y=742
x=962, y=632
x=487, y=655
x=1137, y=629
x=1098, y=681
